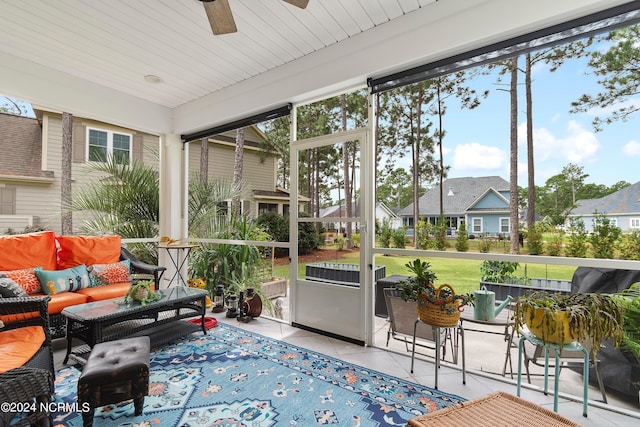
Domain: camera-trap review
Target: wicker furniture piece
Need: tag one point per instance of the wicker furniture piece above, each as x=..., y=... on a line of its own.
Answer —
x=113, y=319
x=115, y=371
x=28, y=393
x=498, y=409
x=27, y=312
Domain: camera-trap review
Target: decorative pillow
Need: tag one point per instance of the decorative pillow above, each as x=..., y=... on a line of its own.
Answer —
x=26, y=250
x=25, y=278
x=105, y=274
x=10, y=289
x=87, y=250
x=58, y=281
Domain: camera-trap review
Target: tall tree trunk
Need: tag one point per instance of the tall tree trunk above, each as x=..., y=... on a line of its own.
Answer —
x=416, y=166
x=309, y=173
x=513, y=175
x=531, y=190
x=441, y=154
x=204, y=160
x=237, y=170
x=345, y=169
x=316, y=167
x=65, y=191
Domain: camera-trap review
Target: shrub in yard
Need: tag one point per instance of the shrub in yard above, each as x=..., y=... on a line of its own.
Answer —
x=277, y=226
x=577, y=239
x=535, y=244
x=604, y=237
x=554, y=244
x=422, y=233
x=384, y=236
x=398, y=238
x=629, y=246
x=441, y=236
x=462, y=241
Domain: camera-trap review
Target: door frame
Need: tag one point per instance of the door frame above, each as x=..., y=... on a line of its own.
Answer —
x=357, y=324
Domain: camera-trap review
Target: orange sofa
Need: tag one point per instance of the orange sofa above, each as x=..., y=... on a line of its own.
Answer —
x=71, y=270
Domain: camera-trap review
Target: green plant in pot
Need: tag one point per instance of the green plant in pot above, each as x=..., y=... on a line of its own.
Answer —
x=561, y=319
x=142, y=292
x=439, y=306
x=630, y=300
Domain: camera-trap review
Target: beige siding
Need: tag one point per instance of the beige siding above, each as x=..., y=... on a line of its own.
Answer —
x=43, y=201
x=257, y=174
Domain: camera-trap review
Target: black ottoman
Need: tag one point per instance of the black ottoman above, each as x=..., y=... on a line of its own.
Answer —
x=115, y=371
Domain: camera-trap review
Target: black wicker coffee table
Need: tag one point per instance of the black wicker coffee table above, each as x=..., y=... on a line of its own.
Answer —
x=112, y=319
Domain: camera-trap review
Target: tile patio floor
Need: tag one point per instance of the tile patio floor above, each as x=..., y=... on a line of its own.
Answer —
x=484, y=356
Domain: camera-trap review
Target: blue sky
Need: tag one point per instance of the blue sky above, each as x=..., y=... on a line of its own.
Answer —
x=477, y=142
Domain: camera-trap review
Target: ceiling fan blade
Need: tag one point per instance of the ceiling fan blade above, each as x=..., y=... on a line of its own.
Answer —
x=300, y=3
x=220, y=16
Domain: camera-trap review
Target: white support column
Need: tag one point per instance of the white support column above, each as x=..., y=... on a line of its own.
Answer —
x=172, y=197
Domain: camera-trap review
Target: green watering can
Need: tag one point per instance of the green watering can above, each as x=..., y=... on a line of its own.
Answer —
x=484, y=305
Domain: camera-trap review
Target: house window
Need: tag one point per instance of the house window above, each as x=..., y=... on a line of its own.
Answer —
x=102, y=145
x=224, y=208
x=267, y=207
x=477, y=225
x=635, y=223
x=285, y=209
x=504, y=225
x=7, y=201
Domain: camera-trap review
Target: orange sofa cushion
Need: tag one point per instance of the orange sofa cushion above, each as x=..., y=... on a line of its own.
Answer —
x=99, y=293
x=17, y=346
x=64, y=299
x=87, y=250
x=28, y=250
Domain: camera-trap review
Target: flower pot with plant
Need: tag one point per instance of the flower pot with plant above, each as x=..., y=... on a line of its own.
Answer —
x=142, y=292
x=561, y=319
x=438, y=306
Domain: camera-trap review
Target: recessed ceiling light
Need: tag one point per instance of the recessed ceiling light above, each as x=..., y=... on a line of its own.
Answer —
x=152, y=78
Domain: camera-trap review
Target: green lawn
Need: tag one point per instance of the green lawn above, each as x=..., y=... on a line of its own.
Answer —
x=462, y=275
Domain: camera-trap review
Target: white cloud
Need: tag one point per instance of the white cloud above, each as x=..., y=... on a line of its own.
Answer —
x=475, y=156
x=600, y=111
x=631, y=148
x=578, y=145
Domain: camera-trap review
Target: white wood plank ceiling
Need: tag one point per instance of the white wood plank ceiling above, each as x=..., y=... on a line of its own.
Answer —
x=116, y=43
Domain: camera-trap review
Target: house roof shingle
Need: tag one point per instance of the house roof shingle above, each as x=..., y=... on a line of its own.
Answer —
x=458, y=195
x=624, y=201
x=21, y=137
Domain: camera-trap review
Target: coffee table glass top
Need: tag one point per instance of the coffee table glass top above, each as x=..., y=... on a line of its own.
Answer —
x=117, y=306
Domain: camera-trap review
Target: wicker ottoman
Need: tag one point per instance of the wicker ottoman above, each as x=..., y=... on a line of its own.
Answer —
x=115, y=371
x=497, y=409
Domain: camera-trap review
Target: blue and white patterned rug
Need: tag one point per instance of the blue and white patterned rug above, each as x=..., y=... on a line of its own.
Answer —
x=232, y=377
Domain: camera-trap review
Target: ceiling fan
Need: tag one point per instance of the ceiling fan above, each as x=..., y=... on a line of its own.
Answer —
x=221, y=18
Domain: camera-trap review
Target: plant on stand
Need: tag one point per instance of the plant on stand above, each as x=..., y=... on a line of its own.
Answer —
x=561, y=319
x=438, y=306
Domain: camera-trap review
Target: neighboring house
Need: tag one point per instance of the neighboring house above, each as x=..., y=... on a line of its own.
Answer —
x=482, y=203
x=259, y=172
x=622, y=208
x=23, y=180
x=30, y=178
x=340, y=211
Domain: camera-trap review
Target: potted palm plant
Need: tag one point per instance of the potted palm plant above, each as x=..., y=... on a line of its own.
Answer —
x=560, y=319
x=438, y=306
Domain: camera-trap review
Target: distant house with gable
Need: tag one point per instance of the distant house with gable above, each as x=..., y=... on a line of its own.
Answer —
x=622, y=208
x=382, y=213
x=481, y=202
